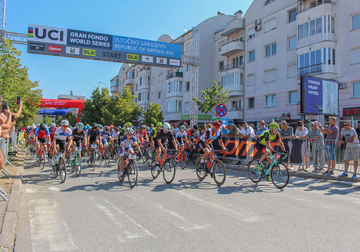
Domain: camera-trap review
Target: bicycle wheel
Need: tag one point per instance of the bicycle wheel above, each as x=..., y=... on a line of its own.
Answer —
x=253, y=171
x=169, y=170
x=200, y=169
x=138, y=155
x=100, y=157
x=93, y=159
x=182, y=161
x=219, y=172
x=154, y=172
x=132, y=173
x=280, y=175
x=62, y=170
x=106, y=158
x=145, y=155
x=42, y=161
x=77, y=163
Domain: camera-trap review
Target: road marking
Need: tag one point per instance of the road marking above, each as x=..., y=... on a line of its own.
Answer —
x=49, y=231
x=54, y=189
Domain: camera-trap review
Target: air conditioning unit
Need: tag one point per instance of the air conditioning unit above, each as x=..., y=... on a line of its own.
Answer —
x=257, y=21
x=258, y=27
x=342, y=85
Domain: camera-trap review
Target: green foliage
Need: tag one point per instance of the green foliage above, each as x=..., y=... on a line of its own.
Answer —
x=153, y=114
x=14, y=81
x=93, y=106
x=46, y=120
x=58, y=121
x=212, y=97
x=71, y=118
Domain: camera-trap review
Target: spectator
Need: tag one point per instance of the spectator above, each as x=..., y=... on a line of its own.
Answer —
x=233, y=107
x=272, y=120
x=234, y=132
x=287, y=133
x=358, y=130
x=288, y=121
x=262, y=128
x=301, y=133
x=352, y=148
x=332, y=133
x=186, y=127
x=316, y=139
x=224, y=130
x=247, y=131
x=252, y=126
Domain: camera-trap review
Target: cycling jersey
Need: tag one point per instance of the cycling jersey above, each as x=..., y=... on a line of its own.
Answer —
x=115, y=135
x=77, y=136
x=180, y=136
x=93, y=134
x=127, y=142
x=211, y=135
x=32, y=133
x=61, y=135
x=142, y=135
x=41, y=133
x=154, y=133
x=267, y=137
x=52, y=133
x=163, y=137
x=105, y=136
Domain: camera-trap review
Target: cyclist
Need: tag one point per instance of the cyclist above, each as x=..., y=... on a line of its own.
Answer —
x=153, y=136
x=105, y=136
x=142, y=134
x=52, y=134
x=114, y=139
x=181, y=136
x=63, y=134
x=162, y=136
x=263, y=143
x=93, y=134
x=31, y=135
x=42, y=136
x=122, y=131
x=126, y=146
x=209, y=136
x=78, y=137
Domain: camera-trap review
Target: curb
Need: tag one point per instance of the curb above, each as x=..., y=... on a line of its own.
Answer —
x=7, y=235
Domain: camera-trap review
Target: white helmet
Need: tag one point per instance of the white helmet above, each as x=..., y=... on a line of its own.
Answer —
x=64, y=123
x=167, y=127
x=33, y=126
x=129, y=131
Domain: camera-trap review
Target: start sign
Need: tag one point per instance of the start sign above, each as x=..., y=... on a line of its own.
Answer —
x=221, y=110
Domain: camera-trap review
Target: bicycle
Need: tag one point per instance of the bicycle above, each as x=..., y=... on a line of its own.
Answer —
x=92, y=156
x=181, y=157
x=211, y=163
x=105, y=156
x=60, y=167
x=76, y=162
x=278, y=171
x=42, y=159
x=168, y=167
x=130, y=169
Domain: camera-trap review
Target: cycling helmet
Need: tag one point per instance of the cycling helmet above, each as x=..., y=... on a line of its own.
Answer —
x=195, y=127
x=274, y=125
x=100, y=126
x=42, y=126
x=106, y=128
x=111, y=126
x=33, y=126
x=217, y=124
x=143, y=126
x=86, y=127
x=64, y=123
x=28, y=127
x=147, y=128
x=116, y=128
x=80, y=126
x=182, y=127
x=128, y=124
x=167, y=126
x=53, y=125
x=159, y=124
x=129, y=131
x=95, y=125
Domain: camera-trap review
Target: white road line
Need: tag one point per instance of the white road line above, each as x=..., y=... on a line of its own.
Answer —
x=49, y=231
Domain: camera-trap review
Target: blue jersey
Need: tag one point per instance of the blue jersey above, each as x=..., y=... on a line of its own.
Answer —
x=42, y=133
x=127, y=142
x=105, y=135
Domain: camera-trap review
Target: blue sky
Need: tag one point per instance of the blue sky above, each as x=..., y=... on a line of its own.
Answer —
x=139, y=19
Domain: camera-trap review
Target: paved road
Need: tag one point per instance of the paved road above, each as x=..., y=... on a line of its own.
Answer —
x=95, y=213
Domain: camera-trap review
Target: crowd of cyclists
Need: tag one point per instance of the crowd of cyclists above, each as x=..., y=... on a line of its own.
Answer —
x=150, y=144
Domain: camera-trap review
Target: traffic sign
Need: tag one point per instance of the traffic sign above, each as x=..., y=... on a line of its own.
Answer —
x=221, y=110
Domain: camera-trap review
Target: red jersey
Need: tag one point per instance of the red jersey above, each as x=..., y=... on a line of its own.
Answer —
x=52, y=133
x=141, y=135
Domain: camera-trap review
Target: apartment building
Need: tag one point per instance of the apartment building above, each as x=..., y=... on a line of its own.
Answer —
x=260, y=58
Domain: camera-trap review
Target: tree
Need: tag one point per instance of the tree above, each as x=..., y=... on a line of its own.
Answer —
x=153, y=114
x=212, y=97
x=46, y=120
x=71, y=118
x=92, y=111
x=14, y=81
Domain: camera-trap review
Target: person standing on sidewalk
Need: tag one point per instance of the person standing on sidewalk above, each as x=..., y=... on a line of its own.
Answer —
x=301, y=133
x=317, y=141
x=287, y=132
x=332, y=133
x=352, y=148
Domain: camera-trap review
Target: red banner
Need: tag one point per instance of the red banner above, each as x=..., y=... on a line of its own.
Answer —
x=55, y=103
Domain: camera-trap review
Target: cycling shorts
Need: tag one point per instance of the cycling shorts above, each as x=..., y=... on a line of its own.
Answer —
x=77, y=142
x=127, y=149
x=260, y=148
x=104, y=141
x=62, y=144
x=42, y=140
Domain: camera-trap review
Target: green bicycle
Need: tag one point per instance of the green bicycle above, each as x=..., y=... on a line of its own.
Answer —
x=278, y=171
x=76, y=162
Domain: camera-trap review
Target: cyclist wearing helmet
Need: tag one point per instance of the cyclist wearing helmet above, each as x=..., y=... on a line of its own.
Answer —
x=61, y=135
x=105, y=136
x=162, y=136
x=126, y=146
x=153, y=135
x=93, y=134
x=181, y=135
x=122, y=131
x=209, y=136
x=264, y=140
x=42, y=136
x=78, y=136
x=142, y=134
x=31, y=135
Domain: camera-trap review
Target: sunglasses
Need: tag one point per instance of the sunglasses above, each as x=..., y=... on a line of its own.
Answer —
x=346, y=124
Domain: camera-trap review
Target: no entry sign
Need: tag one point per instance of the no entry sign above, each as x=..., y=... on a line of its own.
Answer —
x=221, y=110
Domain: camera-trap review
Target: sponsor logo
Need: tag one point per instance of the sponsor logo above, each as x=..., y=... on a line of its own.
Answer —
x=55, y=48
x=133, y=57
x=47, y=34
x=161, y=60
x=147, y=59
x=89, y=52
x=46, y=102
x=174, y=62
x=37, y=47
x=72, y=50
x=112, y=55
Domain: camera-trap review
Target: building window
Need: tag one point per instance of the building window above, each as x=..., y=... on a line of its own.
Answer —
x=269, y=1
x=174, y=86
x=251, y=79
x=270, y=100
x=292, y=71
x=292, y=15
x=251, y=103
x=270, y=25
x=293, y=97
x=355, y=56
x=317, y=26
x=237, y=105
x=232, y=81
x=356, y=89
x=159, y=95
x=355, y=22
x=221, y=65
x=187, y=88
x=187, y=107
x=188, y=67
x=137, y=73
x=270, y=50
x=252, y=56
x=292, y=43
x=136, y=87
x=270, y=76
x=312, y=62
x=173, y=106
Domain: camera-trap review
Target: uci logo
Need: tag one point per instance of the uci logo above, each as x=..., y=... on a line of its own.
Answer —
x=47, y=34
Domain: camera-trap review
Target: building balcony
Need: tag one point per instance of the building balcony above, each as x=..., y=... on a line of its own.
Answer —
x=232, y=47
x=317, y=69
x=235, y=114
x=173, y=75
x=143, y=102
x=144, y=71
x=143, y=87
x=174, y=94
x=235, y=89
x=129, y=81
x=316, y=6
x=232, y=66
x=114, y=89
